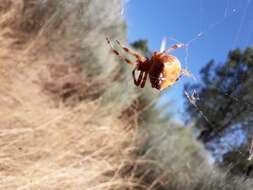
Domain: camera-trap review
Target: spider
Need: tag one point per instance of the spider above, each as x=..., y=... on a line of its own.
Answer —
x=163, y=69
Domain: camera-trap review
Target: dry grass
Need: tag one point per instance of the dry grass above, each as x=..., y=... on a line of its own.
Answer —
x=55, y=129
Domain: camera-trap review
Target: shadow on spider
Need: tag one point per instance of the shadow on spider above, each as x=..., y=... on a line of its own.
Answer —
x=162, y=68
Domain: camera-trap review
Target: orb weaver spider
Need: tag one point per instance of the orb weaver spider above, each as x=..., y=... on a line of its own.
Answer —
x=163, y=69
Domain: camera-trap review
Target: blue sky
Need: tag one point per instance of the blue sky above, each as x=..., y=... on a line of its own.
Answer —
x=224, y=25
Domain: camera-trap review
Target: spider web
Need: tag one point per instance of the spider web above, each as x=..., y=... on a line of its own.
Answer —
x=229, y=12
x=232, y=11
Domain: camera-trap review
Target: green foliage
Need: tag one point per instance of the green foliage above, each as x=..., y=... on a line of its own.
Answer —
x=141, y=45
x=226, y=97
x=236, y=162
x=219, y=181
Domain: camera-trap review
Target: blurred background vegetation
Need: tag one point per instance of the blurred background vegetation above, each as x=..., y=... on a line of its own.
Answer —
x=226, y=94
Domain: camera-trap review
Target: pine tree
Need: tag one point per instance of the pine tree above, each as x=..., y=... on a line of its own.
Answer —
x=226, y=101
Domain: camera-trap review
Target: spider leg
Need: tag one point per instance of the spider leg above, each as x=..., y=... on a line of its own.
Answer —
x=140, y=78
x=131, y=52
x=137, y=82
x=133, y=75
x=144, y=80
x=172, y=48
x=185, y=72
x=118, y=54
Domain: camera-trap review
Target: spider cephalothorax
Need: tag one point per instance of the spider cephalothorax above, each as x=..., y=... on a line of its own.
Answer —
x=163, y=69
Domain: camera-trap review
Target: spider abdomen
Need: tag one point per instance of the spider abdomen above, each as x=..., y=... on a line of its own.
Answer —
x=165, y=71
